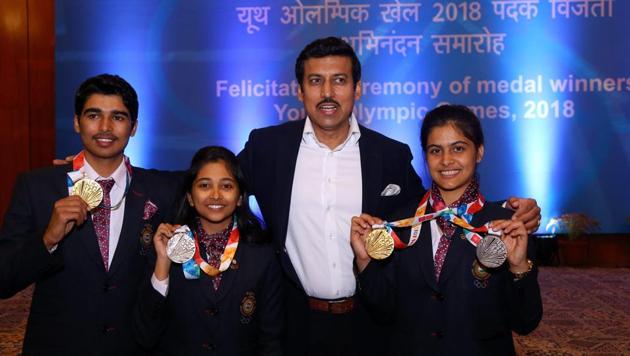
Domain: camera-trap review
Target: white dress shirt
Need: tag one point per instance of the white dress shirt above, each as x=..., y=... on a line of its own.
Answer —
x=117, y=194
x=327, y=192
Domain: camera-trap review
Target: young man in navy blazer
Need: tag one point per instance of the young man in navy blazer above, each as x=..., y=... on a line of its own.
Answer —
x=309, y=178
x=86, y=263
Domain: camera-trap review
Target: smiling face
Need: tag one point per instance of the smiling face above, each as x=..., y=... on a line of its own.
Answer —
x=328, y=93
x=105, y=127
x=215, y=194
x=452, y=159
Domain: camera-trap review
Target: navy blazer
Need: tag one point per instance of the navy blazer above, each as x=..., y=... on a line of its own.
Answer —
x=78, y=307
x=243, y=317
x=268, y=161
x=456, y=316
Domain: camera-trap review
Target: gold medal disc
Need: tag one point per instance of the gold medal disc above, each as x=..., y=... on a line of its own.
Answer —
x=90, y=191
x=379, y=244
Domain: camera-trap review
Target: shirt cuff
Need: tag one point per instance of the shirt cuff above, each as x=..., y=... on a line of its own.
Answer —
x=53, y=248
x=160, y=286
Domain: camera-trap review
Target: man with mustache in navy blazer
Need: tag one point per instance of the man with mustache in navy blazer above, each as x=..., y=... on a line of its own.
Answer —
x=309, y=178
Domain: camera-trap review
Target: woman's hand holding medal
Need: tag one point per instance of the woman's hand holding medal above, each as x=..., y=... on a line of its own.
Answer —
x=514, y=235
x=360, y=228
x=160, y=241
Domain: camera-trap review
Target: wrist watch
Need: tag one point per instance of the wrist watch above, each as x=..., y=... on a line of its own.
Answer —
x=520, y=275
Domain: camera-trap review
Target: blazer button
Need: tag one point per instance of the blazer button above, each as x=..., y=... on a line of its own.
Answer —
x=437, y=334
x=437, y=296
x=108, y=287
x=211, y=311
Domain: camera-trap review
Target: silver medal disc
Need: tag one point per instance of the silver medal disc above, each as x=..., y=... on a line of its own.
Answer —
x=181, y=247
x=491, y=251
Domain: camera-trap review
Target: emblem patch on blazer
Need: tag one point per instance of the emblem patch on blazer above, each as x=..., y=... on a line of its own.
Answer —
x=248, y=307
x=145, y=238
x=481, y=275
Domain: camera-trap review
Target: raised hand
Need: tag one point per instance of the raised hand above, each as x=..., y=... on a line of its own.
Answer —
x=514, y=236
x=527, y=211
x=360, y=228
x=67, y=213
x=61, y=162
x=160, y=240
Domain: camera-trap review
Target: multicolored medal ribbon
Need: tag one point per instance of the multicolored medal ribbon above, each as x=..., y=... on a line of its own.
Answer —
x=88, y=189
x=381, y=242
x=194, y=265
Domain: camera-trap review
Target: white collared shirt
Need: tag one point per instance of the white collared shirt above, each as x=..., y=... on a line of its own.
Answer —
x=326, y=193
x=116, y=195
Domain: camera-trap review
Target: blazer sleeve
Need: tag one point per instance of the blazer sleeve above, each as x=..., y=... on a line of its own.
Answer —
x=378, y=290
x=525, y=303
x=150, y=317
x=523, y=296
x=272, y=310
x=24, y=258
x=377, y=284
x=246, y=160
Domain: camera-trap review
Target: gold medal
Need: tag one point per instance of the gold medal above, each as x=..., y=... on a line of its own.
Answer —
x=479, y=272
x=379, y=244
x=90, y=191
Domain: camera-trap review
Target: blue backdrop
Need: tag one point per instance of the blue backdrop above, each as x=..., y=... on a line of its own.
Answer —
x=550, y=80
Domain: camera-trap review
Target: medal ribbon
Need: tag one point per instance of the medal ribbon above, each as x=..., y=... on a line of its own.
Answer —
x=459, y=216
x=78, y=173
x=193, y=266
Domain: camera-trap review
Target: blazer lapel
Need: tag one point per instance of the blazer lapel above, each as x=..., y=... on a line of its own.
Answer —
x=371, y=173
x=425, y=257
x=229, y=276
x=454, y=256
x=87, y=235
x=287, y=153
x=131, y=224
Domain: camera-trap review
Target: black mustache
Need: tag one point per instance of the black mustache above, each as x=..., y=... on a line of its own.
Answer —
x=328, y=100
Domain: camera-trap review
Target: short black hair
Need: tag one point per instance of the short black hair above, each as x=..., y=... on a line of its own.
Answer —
x=107, y=84
x=248, y=224
x=459, y=115
x=324, y=47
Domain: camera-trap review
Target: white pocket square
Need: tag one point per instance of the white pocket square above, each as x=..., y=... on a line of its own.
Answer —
x=390, y=190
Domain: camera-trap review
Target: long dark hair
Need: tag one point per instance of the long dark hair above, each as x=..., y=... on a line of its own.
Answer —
x=249, y=227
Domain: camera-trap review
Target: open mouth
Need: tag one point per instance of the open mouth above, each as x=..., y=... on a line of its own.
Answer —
x=328, y=107
x=449, y=173
x=104, y=140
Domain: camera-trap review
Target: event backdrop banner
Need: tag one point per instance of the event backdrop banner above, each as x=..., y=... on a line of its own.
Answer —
x=549, y=79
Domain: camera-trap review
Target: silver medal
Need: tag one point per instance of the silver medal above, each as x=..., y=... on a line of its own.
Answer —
x=181, y=247
x=491, y=251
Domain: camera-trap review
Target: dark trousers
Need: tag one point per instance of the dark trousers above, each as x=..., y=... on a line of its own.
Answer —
x=313, y=333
